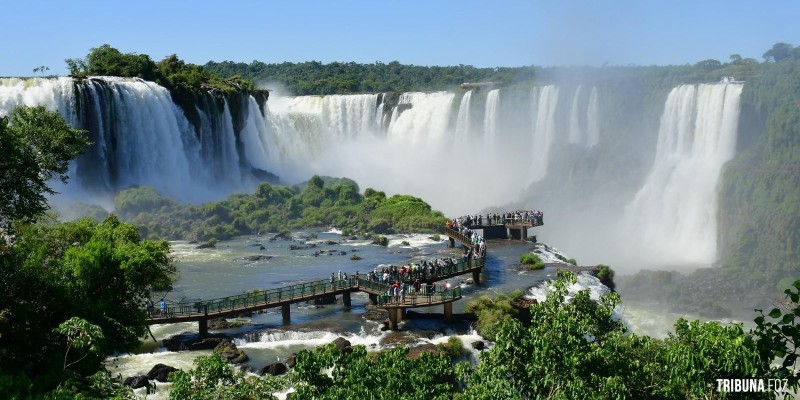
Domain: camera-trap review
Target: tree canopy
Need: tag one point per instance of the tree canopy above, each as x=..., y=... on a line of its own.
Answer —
x=36, y=146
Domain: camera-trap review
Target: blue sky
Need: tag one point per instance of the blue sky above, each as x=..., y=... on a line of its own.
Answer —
x=479, y=33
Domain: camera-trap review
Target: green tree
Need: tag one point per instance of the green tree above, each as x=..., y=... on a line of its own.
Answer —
x=532, y=261
x=779, y=52
x=578, y=349
x=97, y=272
x=778, y=336
x=36, y=146
x=214, y=378
x=390, y=374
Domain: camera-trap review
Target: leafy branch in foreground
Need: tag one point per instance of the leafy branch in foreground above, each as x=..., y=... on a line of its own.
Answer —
x=36, y=146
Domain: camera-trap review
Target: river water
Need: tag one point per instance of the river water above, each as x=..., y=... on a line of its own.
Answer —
x=226, y=270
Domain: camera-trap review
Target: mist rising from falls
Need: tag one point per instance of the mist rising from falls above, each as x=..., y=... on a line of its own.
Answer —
x=615, y=189
x=674, y=215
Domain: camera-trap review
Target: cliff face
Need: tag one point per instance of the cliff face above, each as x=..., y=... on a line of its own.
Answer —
x=759, y=215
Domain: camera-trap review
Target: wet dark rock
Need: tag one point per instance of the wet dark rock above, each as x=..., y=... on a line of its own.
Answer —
x=291, y=361
x=136, y=382
x=416, y=351
x=207, y=245
x=355, y=257
x=343, y=345
x=222, y=323
x=296, y=247
x=193, y=242
x=261, y=247
x=399, y=337
x=192, y=342
x=228, y=350
x=160, y=372
x=342, y=253
x=257, y=257
x=353, y=238
x=330, y=242
x=274, y=369
x=478, y=345
x=376, y=315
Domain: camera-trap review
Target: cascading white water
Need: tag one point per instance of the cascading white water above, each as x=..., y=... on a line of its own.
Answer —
x=154, y=146
x=426, y=121
x=463, y=119
x=141, y=138
x=544, y=130
x=490, y=118
x=508, y=138
x=673, y=216
x=593, y=120
x=53, y=94
x=575, y=133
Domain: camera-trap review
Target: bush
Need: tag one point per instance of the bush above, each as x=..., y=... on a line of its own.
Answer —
x=453, y=348
x=436, y=237
x=405, y=243
x=380, y=240
x=606, y=276
x=492, y=313
x=532, y=261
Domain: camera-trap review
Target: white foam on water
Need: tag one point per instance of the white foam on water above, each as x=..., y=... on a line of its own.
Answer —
x=584, y=281
x=414, y=240
x=277, y=339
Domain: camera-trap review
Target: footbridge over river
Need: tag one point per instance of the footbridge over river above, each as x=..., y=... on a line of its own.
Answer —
x=204, y=310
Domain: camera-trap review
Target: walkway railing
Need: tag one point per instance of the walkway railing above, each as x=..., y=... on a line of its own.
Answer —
x=253, y=299
x=458, y=235
x=303, y=290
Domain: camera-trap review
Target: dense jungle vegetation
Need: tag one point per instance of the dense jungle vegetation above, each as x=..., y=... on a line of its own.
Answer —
x=274, y=208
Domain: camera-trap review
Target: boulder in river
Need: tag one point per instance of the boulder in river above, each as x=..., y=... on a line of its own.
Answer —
x=274, y=369
x=136, y=382
x=160, y=372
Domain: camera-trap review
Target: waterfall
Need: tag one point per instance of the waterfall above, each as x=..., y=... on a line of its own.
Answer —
x=575, y=133
x=422, y=118
x=463, y=119
x=146, y=139
x=53, y=94
x=490, y=117
x=652, y=191
x=592, y=120
x=544, y=129
x=673, y=216
x=140, y=138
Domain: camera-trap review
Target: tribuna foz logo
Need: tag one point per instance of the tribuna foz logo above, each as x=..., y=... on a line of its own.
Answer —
x=752, y=385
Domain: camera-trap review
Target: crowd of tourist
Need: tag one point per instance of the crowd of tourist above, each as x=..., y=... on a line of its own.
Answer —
x=535, y=218
x=398, y=290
